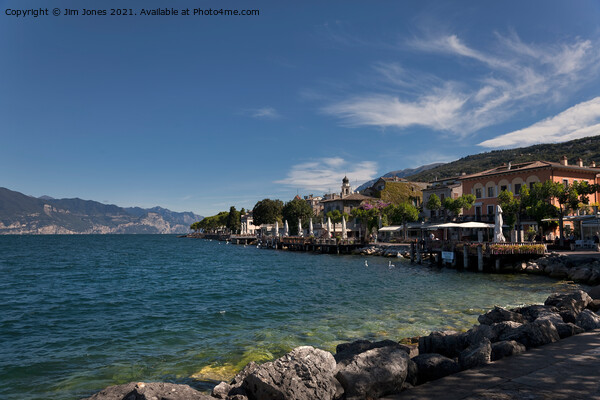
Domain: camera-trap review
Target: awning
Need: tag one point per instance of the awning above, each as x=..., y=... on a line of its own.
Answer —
x=465, y=225
x=390, y=229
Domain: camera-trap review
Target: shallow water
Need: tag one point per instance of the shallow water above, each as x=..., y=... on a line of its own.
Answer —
x=78, y=313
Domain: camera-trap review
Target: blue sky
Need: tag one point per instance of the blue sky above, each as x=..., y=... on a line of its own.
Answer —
x=200, y=113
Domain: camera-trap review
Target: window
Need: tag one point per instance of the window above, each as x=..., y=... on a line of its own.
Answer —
x=491, y=191
x=441, y=196
x=490, y=210
x=566, y=182
x=478, y=193
x=517, y=188
x=503, y=188
x=531, y=185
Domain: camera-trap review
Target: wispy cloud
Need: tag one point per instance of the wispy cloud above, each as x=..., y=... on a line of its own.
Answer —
x=265, y=113
x=327, y=173
x=576, y=122
x=493, y=84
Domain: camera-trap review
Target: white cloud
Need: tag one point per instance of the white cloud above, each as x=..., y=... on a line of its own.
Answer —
x=506, y=78
x=327, y=173
x=265, y=113
x=576, y=122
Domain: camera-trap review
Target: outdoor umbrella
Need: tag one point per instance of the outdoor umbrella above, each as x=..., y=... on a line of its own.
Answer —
x=498, y=236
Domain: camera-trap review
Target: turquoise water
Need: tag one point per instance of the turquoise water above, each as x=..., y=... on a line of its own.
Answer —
x=78, y=313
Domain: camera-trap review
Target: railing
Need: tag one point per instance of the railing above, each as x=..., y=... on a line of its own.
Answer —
x=488, y=248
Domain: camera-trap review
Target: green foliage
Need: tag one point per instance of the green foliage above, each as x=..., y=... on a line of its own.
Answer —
x=457, y=206
x=195, y=226
x=589, y=148
x=214, y=222
x=434, y=203
x=234, y=221
x=267, y=211
x=399, y=192
x=510, y=207
x=401, y=214
x=294, y=210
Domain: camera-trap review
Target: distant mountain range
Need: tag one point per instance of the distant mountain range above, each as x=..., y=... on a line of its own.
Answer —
x=22, y=214
x=401, y=173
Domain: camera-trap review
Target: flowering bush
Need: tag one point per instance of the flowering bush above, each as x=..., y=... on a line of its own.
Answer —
x=516, y=249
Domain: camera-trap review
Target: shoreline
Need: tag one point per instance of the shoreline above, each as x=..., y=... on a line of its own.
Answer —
x=537, y=326
x=364, y=369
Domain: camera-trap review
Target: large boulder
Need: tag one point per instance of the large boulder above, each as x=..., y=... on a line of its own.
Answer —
x=476, y=355
x=373, y=373
x=569, y=305
x=580, y=275
x=434, y=366
x=557, y=271
x=500, y=328
x=478, y=334
x=594, y=292
x=533, y=334
x=531, y=313
x=447, y=343
x=148, y=391
x=303, y=374
x=594, y=305
x=506, y=348
x=567, y=329
x=499, y=314
x=588, y=320
x=234, y=388
x=344, y=351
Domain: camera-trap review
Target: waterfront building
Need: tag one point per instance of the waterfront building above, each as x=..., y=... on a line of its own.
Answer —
x=248, y=226
x=444, y=188
x=396, y=190
x=487, y=185
x=315, y=203
x=346, y=201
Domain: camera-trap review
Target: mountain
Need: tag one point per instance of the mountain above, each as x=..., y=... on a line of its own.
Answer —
x=587, y=148
x=21, y=214
x=401, y=173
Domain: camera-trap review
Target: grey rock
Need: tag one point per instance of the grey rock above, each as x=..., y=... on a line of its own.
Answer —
x=476, y=355
x=506, y=348
x=580, y=275
x=577, y=300
x=557, y=271
x=595, y=277
x=412, y=374
x=594, y=292
x=147, y=391
x=344, y=351
x=531, y=313
x=434, y=366
x=533, y=334
x=567, y=329
x=221, y=391
x=588, y=320
x=479, y=334
x=499, y=314
x=411, y=349
x=373, y=373
x=303, y=374
x=447, y=343
x=500, y=328
x=594, y=305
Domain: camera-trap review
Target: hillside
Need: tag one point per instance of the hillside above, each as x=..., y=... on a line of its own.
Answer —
x=587, y=148
x=401, y=173
x=21, y=214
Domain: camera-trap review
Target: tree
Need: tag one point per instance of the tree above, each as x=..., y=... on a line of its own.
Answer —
x=267, y=211
x=434, y=203
x=195, y=226
x=511, y=209
x=214, y=222
x=295, y=210
x=458, y=205
x=234, y=222
x=402, y=214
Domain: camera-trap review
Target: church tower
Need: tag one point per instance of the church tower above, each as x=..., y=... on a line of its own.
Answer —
x=346, y=187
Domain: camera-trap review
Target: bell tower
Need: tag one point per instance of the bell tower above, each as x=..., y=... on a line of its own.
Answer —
x=345, y=187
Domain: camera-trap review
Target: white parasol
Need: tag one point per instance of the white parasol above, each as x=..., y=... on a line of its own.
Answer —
x=498, y=236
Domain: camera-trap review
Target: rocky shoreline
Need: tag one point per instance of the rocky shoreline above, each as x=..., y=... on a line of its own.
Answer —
x=368, y=370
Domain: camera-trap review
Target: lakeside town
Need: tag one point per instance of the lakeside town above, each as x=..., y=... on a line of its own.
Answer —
x=549, y=202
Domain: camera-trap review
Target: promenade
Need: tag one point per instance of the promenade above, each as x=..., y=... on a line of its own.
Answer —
x=567, y=369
